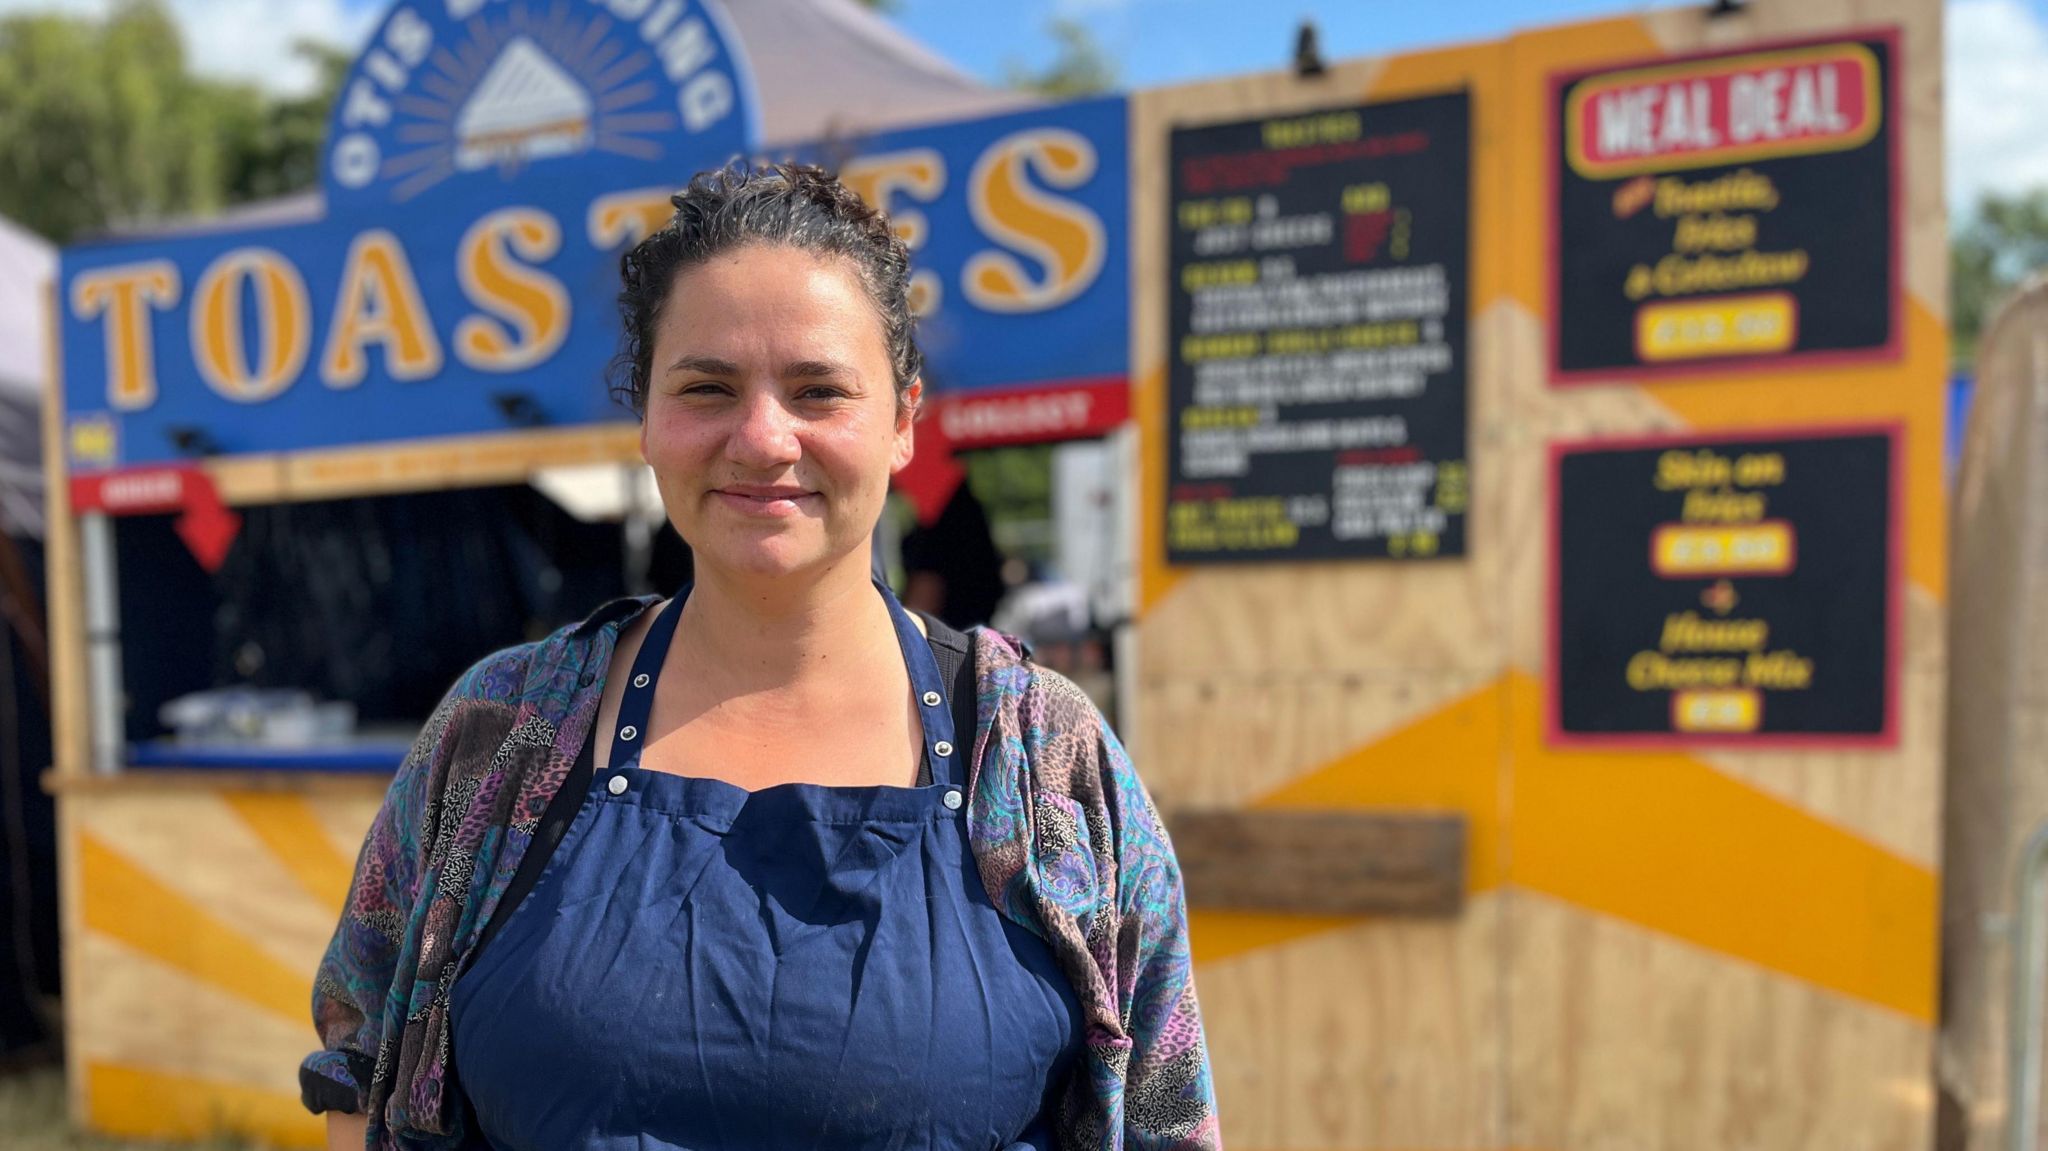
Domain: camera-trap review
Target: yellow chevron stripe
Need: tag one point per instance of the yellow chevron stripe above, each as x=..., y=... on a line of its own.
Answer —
x=1662, y=841
x=139, y=1103
x=126, y=903
x=288, y=826
x=1446, y=761
x=1668, y=843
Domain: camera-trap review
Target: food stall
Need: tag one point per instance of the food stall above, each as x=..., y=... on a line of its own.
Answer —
x=1532, y=475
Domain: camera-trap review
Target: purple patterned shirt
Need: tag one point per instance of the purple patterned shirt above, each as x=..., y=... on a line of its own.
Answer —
x=1067, y=841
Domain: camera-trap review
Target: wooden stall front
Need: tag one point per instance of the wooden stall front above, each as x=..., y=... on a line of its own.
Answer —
x=1691, y=943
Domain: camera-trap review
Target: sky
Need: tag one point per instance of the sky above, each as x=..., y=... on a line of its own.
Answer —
x=1997, y=75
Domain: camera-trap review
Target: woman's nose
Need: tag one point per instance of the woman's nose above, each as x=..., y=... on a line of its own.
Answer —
x=766, y=433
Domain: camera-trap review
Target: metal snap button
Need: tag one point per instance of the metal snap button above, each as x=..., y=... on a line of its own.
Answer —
x=617, y=786
x=942, y=749
x=931, y=699
x=628, y=732
x=640, y=680
x=953, y=801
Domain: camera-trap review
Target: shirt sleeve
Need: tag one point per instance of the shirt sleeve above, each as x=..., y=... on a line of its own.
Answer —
x=1169, y=1096
x=352, y=992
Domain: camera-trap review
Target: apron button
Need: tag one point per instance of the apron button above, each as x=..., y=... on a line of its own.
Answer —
x=628, y=732
x=953, y=801
x=942, y=749
x=617, y=786
x=931, y=699
x=640, y=680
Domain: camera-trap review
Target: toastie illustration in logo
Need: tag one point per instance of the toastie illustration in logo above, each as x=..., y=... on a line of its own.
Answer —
x=526, y=107
x=516, y=86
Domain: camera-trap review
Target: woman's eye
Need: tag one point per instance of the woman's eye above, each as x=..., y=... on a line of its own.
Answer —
x=702, y=389
x=821, y=392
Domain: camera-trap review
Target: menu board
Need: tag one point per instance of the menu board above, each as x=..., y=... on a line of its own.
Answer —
x=1317, y=369
x=1726, y=590
x=1735, y=207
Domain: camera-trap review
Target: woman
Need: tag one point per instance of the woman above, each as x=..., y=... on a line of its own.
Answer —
x=729, y=871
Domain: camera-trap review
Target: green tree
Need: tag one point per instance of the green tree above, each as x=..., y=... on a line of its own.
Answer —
x=2000, y=244
x=103, y=125
x=1079, y=68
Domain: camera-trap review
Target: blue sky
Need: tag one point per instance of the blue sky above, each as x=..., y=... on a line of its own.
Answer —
x=1166, y=41
x=1996, y=83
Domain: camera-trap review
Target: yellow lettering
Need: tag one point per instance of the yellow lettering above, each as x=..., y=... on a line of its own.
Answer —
x=625, y=218
x=495, y=280
x=1064, y=237
x=124, y=294
x=379, y=303
x=917, y=172
x=284, y=324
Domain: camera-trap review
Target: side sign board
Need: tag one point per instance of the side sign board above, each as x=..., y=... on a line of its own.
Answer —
x=1735, y=208
x=1736, y=590
x=1316, y=374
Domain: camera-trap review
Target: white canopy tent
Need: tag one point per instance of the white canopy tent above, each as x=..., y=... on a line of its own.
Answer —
x=27, y=265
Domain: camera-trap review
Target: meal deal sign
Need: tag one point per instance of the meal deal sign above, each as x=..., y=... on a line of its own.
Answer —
x=1727, y=208
x=1726, y=590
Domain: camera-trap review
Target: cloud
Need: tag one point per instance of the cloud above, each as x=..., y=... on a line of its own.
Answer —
x=1997, y=91
x=248, y=40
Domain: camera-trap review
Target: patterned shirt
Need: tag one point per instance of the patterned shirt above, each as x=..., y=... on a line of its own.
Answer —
x=1066, y=840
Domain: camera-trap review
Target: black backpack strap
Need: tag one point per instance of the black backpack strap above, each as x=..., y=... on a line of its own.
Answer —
x=554, y=824
x=953, y=649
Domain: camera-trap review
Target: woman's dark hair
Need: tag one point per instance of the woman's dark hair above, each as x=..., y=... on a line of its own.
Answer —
x=793, y=205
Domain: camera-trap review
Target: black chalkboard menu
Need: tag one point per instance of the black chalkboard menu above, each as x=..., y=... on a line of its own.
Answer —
x=1726, y=590
x=1740, y=207
x=1316, y=370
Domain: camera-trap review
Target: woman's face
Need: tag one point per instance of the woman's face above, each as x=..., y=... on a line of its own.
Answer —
x=771, y=421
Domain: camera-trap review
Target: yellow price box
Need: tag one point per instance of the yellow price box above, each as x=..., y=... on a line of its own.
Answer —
x=1726, y=326
x=1690, y=551
x=1731, y=710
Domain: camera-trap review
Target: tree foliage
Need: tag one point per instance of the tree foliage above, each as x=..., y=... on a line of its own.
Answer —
x=103, y=125
x=1999, y=245
x=1079, y=68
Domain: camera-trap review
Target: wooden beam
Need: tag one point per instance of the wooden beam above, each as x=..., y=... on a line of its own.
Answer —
x=1322, y=862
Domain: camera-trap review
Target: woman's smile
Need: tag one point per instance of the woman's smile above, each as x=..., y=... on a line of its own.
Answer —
x=765, y=502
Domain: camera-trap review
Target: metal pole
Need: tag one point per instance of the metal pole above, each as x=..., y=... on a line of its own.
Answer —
x=2023, y=1063
x=102, y=643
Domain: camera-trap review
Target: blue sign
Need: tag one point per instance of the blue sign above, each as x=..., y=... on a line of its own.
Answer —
x=1019, y=233
x=487, y=162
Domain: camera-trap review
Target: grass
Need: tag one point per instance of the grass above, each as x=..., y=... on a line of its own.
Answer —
x=32, y=1118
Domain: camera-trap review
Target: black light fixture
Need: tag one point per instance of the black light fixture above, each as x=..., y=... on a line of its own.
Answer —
x=519, y=409
x=1308, y=57
x=1720, y=8
x=191, y=441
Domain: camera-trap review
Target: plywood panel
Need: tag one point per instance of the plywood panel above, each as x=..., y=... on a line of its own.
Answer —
x=1237, y=742
x=1379, y=1035
x=198, y=847
x=194, y=923
x=1625, y=1026
x=1628, y=1041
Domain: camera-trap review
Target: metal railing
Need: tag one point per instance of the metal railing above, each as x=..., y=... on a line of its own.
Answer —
x=2023, y=1041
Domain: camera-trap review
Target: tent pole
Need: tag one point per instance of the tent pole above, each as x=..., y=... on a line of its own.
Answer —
x=103, y=642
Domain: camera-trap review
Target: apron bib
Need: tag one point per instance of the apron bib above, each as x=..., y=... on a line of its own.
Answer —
x=706, y=968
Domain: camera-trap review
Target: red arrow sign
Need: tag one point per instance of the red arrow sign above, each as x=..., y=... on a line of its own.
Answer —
x=207, y=527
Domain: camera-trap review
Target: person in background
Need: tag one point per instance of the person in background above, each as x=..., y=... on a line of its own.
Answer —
x=952, y=567
x=773, y=862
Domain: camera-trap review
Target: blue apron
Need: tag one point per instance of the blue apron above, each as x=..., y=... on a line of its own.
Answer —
x=706, y=968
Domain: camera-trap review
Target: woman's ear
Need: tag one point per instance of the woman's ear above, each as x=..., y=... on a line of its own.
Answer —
x=906, y=426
